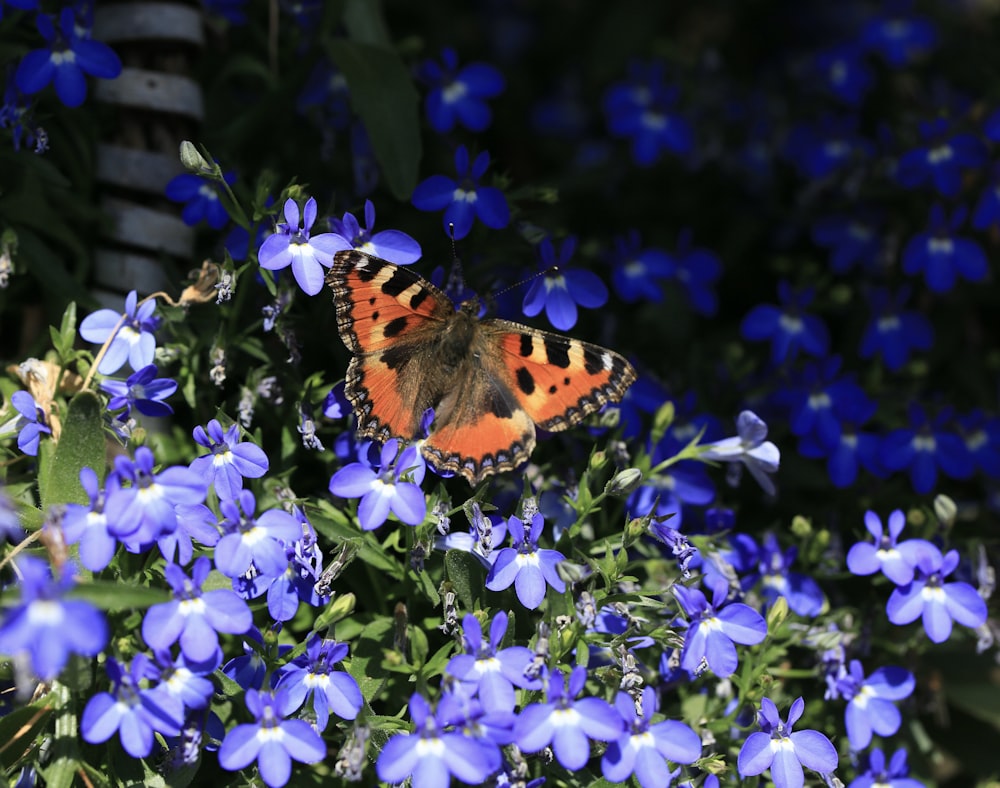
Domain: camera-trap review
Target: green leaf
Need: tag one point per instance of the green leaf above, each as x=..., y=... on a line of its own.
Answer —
x=19, y=728
x=467, y=576
x=118, y=596
x=382, y=93
x=65, y=762
x=365, y=23
x=81, y=445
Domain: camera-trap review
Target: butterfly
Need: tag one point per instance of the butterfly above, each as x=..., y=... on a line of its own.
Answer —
x=490, y=382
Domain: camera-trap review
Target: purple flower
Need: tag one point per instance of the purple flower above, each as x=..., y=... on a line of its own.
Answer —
x=133, y=334
x=878, y=775
x=431, y=755
x=894, y=333
x=392, y=245
x=775, y=747
x=131, y=710
x=896, y=561
x=228, y=460
x=66, y=60
x=292, y=244
x=491, y=671
x=10, y=526
x=201, y=198
x=714, y=628
x=194, y=617
x=789, y=328
x=259, y=541
x=383, y=491
x=645, y=747
x=271, y=740
x=46, y=626
x=143, y=391
x=937, y=602
x=88, y=526
x=559, y=289
x=457, y=95
x=312, y=675
x=942, y=256
x=525, y=566
x=567, y=724
x=870, y=701
x=463, y=200
x=761, y=457
x=29, y=424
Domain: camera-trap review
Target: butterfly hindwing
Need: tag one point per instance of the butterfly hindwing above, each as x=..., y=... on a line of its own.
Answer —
x=559, y=380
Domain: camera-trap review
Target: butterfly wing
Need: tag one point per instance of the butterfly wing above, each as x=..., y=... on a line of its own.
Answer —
x=386, y=315
x=556, y=379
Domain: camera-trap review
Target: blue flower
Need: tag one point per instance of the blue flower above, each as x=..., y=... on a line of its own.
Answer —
x=271, y=740
x=384, y=490
x=131, y=334
x=981, y=434
x=820, y=148
x=431, y=754
x=638, y=273
x=566, y=723
x=870, y=701
x=491, y=671
x=645, y=747
x=822, y=401
x=230, y=10
x=559, y=289
x=143, y=391
x=312, y=675
x=937, y=602
x=258, y=540
x=292, y=244
x=326, y=89
x=194, y=617
x=66, y=60
x=392, y=245
x=893, y=333
x=642, y=109
x=853, y=450
x=228, y=460
x=525, y=566
x=17, y=114
x=10, y=526
x=842, y=72
x=714, y=627
x=131, y=710
x=788, y=327
x=942, y=159
x=803, y=594
x=250, y=669
x=45, y=625
x=88, y=526
x=854, y=239
x=777, y=748
x=201, y=198
x=987, y=212
x=297, y=583
x=29, y=423
x=697, y=271
x=924, y=448
x=942, y=256
x=895, y=561
x=463, y=200
x=878, y=775
x=749, y=447
x=898, y=36
x=457, y=95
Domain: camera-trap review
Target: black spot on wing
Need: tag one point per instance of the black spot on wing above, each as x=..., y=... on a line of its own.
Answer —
x=527, y=345
x=398, y=282
x=557, y=352
x=592, y=360
x=498, y=405
x=396, y=357
x=525, y=381
x=419, y=297
x=375, y=315
x=366, y=268
x=394, y=327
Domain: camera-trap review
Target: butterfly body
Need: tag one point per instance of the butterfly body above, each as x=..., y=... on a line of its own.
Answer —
x=490, y=382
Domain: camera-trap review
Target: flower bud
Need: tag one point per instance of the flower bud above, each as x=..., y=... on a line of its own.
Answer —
x=624, y=482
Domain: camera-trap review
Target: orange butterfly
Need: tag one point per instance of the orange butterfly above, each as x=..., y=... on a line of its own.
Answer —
x=489, y=381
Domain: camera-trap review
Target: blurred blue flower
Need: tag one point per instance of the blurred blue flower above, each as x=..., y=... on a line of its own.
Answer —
x=893, y=333
x=803, y=594
x=777, y=748
x=937, y=602
x=645, y=747
x=44, y=625
x=385, y=489
x=228, y=460
x=29, y=424
x=697, y=271
x=981, y=434
x=293, y=244
x=326, y=89
x=852, y=239
x=878, y=775
x=941, y=160
x=898, y=35
x=200, y=196
x=714, y=627
x=133, y=711
x=10, y=526
x=749, y=447
x=559, y=289
x=895, y=561
x=820, y=148
x=142, y=391
x=233, y=11
x=17, y=114
x=820, y=400
x=788, y=327
x=271, y=740
x=853, y=450
x=565, y=723
x=642, y=109
x=254, y=539
x=841, y=72
x=924, y=448
x=525, y=566
x=70, y=55
x=297, y=583
x=195, y=617
x=463, y=200
x=23, y=5
x=392, y=245
x=638, y=273
x=457, y=95
x=187, y=680
x=88, y=526
x=870, y=699
x=132, y=332
x=941, y=255
x=312, y=675
x=986, y=214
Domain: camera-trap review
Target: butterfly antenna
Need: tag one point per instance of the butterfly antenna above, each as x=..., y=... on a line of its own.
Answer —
x=456, y=281
x=551, y=270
